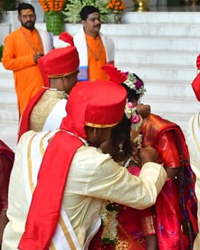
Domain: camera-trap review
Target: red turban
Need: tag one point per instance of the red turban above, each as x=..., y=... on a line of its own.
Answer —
x=59, y=62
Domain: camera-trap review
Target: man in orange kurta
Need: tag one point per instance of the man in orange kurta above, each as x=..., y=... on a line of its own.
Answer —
x=22, y=50
x=96, y=62
x=95, y=49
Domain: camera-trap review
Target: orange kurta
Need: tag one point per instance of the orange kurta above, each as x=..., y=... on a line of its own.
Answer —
x=96, y=58
x=20, y=46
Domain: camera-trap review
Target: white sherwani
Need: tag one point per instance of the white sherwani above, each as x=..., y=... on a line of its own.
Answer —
x=193, y=142
x=93, y=177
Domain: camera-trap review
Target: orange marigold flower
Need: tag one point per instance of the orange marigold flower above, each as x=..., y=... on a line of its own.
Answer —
x=115, y=5
x=52, y=5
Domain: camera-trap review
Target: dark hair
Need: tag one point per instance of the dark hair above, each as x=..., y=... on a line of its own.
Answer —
x=123, y=129
x=87, y=10
x=25, y=6
x=131, y=93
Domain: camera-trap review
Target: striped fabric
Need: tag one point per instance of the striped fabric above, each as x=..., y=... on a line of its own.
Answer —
x=34, y=149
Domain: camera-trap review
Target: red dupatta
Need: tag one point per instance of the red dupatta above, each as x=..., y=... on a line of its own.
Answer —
x=42, y=218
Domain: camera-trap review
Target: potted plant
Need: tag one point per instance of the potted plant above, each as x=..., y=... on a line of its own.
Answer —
x=8, y=5
x=53, y=15
x=1, y=51
x=116, y=8
x=73, y=9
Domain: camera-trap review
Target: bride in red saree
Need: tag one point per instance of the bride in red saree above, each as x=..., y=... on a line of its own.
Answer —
x=172, y=223
x=177, y=200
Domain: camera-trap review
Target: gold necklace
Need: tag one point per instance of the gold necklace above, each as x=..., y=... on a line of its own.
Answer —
x=96, y=56
x=36, y=50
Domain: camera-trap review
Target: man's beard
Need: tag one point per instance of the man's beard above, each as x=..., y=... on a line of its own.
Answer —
x=29, y=25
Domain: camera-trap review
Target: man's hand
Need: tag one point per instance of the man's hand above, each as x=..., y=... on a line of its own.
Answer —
x=144, y=110
x=198, y=62
x=37, y=56
x=148, y=154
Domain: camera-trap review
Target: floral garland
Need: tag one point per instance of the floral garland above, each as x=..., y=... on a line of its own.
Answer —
x=136, y=84
x=109, y=215
x=132, y=114
x=116, y=5
x=52, y=5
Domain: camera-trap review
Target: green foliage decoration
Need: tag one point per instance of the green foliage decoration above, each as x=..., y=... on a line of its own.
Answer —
x=1, y=51
x=7, y=5
x=73, y=8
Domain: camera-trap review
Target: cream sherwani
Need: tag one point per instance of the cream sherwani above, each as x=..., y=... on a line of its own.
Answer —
x=193, y=142
x=93, y=177
x=48, y=112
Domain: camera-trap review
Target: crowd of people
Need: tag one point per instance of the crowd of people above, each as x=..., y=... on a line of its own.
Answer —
x=92, y=171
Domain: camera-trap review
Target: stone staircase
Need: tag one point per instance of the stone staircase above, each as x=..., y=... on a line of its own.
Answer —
x=160, y=47
x=163, y=48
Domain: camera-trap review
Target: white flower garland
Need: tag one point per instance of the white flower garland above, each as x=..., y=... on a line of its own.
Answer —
x=133, y=83
x=109, y=214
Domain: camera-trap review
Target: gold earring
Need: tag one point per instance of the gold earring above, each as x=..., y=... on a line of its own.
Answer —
x=121, y=151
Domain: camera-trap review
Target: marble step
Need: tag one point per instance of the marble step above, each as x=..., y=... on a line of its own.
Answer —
x=8, y=96
x=7, y=79
x=158, y=72
x=161, y=17
x=169, y=89
x=149, y=29
x=172, y=104
x=8, y=111
x=155, y=43
x=8, y=132
x=161, y=56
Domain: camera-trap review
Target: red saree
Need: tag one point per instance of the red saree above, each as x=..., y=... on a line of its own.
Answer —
x=177, y=200
x=6, y=163
x=124, y=241
x=175, y=209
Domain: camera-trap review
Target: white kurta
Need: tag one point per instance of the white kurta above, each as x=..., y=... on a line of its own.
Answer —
x=47, y=40
x=193, y=142
x=93, y=177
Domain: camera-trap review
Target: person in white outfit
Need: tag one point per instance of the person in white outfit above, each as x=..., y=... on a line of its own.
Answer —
x=94, y=48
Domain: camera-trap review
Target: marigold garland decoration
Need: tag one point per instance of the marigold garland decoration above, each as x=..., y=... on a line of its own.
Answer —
x=117, y=5
x=52, y=5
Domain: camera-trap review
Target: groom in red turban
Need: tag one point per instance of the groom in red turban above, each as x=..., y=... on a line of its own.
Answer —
x=60, y=180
